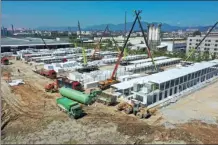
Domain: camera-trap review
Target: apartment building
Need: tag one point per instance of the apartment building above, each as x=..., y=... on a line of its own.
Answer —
x=209, y=44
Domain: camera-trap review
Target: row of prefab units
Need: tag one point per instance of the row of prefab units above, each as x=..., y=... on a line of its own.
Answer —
x=157, y=88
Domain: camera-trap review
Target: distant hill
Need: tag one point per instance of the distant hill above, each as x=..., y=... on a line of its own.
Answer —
x=120, y=27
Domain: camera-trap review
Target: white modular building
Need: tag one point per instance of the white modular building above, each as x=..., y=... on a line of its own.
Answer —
x=157, y=88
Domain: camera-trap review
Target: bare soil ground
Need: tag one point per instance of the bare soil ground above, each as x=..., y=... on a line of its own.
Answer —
x=35, y=118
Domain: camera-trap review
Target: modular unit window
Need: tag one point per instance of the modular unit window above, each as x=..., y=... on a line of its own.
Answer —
x=149, y=100
x=184, y=86
x=189, y=76
x=171, y=91
x=162, y=86
x=155, y=98
x=180, y=88
x=172, y=83
x=193, y=75
x=177, y=81
x=165, y=94
x=175, y=90
x=160, y=96
x=140, y=98
x=167, y=84
x=196, y=74
x=181, y=80
x=185, y=78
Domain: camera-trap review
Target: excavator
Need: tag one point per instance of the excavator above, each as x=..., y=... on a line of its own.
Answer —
x=194, y=50
x=138, y=109
x=107, y=83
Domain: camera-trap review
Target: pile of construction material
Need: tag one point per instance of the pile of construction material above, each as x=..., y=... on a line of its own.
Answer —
x=65, y=66
x=91, y=79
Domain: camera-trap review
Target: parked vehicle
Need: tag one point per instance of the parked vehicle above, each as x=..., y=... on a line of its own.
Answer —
x=63, y=82
x=47, y=73
x=73, y=108
x=78, y=96
x=106, y=98
x=4, y=61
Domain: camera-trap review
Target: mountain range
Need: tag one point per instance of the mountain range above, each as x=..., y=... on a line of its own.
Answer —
x=120, y=27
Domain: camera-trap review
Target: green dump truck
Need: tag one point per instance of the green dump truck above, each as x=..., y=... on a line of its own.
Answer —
x=78, y=96
x=73, y=108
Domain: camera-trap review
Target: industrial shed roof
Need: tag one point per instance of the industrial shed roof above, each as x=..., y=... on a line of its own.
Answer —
x=166, y=75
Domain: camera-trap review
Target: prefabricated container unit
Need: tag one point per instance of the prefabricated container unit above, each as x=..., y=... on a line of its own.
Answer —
x=170, y=83
x=149, y=65
x=148, y=60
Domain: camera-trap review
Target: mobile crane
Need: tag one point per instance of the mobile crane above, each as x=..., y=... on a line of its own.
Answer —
x=97, y=48
x=85, y=67
x=107, y=83
x=194, y=50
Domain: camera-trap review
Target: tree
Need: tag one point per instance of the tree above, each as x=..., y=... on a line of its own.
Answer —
x=213, y=56
x=197, y=33
x=206, y=55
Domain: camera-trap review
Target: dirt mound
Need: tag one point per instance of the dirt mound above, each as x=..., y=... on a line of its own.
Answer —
x=206, y=133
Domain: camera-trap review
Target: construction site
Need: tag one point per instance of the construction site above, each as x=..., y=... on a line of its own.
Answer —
x=80, y=95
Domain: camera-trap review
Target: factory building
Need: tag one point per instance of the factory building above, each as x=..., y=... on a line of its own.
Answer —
x=157, y=88
x=209, y=44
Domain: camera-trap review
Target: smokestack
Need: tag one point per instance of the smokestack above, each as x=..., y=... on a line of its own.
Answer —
x=158, y=32
x=148, y=32
x=12, y=28
x=153, y=32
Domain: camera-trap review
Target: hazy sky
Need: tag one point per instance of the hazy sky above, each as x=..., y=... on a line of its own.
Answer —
x=50, y=13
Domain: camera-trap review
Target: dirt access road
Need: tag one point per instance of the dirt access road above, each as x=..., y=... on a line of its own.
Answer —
x=35, y=118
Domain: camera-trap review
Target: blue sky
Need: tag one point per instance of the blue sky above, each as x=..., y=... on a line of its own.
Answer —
x=66, y=13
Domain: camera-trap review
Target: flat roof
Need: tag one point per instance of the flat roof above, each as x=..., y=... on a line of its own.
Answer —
x=147, y=60
x=167, y=75
x=9, y=41
x=147, y=64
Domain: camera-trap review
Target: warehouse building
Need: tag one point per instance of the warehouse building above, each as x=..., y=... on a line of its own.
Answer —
x=157, y=88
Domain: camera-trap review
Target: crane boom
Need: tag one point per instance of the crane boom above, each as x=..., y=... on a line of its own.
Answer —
x=98, y=45
x=83, y=49
x=79, y=30
x=146, y=43
x=121, y=54
x=192, y=52
x=44, y=42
